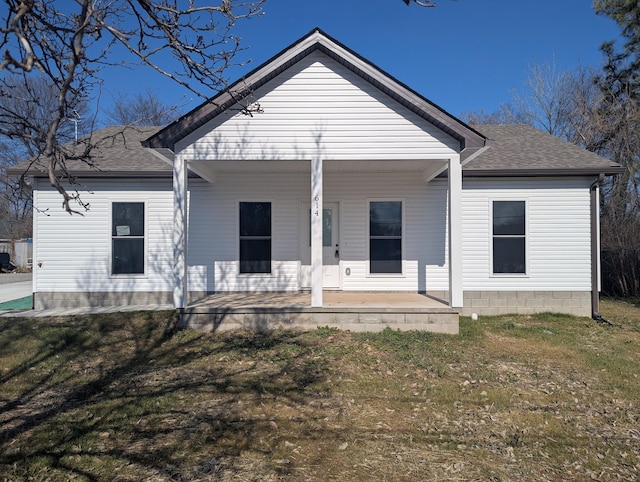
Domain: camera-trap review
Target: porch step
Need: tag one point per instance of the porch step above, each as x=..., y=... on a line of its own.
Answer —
x=215, y=318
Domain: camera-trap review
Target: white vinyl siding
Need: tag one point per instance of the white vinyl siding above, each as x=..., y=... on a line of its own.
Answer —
x=213, y=235
x=73, y=252
x=319, y=107
x=558, y=234
x=213, y=262
x=425, y=239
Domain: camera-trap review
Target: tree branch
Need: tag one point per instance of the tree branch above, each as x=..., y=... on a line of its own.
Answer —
x=423, y=3
x=69, y=42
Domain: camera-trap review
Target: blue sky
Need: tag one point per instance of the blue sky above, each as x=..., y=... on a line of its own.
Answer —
x=464, y=55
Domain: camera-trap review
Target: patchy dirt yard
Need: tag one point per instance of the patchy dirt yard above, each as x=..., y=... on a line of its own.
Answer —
x=127, y=397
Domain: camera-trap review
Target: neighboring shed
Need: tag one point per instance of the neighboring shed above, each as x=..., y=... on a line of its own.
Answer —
x=23, y=253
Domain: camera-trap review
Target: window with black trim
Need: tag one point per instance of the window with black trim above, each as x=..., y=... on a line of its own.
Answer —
x=255, y=237
x=127, y=238
x=385, y=237
x=509, y=237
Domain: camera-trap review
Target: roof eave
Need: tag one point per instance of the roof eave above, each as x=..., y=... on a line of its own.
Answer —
x=588, y=171
x=94, y=174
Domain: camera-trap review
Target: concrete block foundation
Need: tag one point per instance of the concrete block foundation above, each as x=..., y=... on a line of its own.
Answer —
x=491, y=303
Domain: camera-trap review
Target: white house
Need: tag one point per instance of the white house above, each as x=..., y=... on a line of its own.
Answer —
x=319, y=176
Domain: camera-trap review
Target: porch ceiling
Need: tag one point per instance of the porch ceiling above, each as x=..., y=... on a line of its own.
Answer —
x=209, y=169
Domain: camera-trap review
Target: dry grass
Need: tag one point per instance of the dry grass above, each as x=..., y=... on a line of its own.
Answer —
x=127, y=397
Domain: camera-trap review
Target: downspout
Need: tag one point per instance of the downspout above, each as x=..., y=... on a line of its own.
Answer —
x=595, y=249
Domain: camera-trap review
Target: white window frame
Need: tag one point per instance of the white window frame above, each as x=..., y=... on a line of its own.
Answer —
x=271, y=274
x=145, y=272
x=526, y=238
x=402, y=274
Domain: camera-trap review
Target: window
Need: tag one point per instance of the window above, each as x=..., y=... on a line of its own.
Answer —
x=127, y=238
x=509, y=237
x=255, y=237
x=385, y=237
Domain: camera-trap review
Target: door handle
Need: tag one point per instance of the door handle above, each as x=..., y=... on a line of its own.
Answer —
x=337, y=252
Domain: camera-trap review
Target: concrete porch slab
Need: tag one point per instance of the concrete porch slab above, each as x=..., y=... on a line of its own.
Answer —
x=332, y=299
x=355, y=311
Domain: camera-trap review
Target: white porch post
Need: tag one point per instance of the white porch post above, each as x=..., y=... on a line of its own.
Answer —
x=180, y=190
x=455, y=233
x=316, y=232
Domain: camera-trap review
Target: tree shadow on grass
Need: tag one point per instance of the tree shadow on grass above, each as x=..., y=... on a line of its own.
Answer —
x=130, y=394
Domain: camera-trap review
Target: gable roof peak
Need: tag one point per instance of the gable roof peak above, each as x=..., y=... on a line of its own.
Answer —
x=316, y=39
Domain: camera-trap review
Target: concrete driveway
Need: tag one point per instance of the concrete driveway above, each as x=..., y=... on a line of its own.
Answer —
x=14, y=286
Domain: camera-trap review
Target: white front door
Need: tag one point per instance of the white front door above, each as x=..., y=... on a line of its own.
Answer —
x=330, y=245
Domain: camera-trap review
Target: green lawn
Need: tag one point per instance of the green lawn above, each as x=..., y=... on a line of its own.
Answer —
x=128, y=397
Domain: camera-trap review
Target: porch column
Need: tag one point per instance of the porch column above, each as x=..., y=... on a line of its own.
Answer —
x=180, y=190
x=455, y=233
x=316, y=232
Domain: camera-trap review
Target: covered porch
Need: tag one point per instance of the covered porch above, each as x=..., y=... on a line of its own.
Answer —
x=298, y=196
x=355, y=311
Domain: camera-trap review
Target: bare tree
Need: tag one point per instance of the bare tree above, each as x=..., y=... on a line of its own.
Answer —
x=619, y=122
x=142, y=109
x=549, y=101
x=566, y=104
x=15, y=199
x=27, y=103
x=506, y=114
x=546, y=100
x=619, y=84
x=68, y=43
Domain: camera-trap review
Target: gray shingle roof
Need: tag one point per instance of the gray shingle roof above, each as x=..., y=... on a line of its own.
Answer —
x=118, y=151
x=514, y=150
x=517, y=147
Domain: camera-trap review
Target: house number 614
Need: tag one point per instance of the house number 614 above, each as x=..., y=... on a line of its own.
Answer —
x=317, y=199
